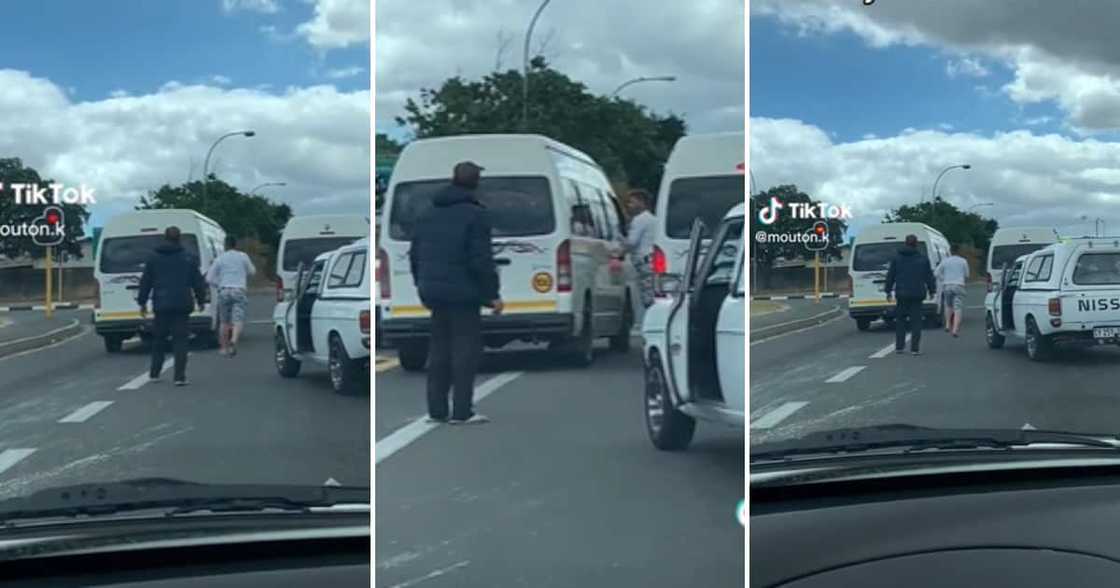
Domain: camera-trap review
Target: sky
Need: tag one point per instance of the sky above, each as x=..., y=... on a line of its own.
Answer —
x=865, y=105
x=602, y=44
x=127, y=95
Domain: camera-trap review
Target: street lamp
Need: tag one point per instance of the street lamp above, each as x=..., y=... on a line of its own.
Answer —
x=643, y=79
x=265, y=185
x=933, y=192
x=975, y=206
x=525, y=68
x=206, y=162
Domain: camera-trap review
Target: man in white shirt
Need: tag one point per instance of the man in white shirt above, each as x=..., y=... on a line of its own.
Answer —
x=229, y=273
x=952, y=273
x=639, y=241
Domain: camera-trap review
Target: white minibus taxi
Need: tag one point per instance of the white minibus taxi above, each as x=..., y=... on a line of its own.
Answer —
x=306, y=237
x=872, y=252
x=557, y=229
x=126, y=243
x=703, y=179
x=1008, y=244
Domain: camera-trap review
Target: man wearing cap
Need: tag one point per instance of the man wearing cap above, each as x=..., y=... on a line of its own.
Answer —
x=455, y=274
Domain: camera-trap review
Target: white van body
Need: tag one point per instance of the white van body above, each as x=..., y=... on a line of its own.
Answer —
x=704, y=178
x=1008, y=244
x=557, y=231
x=126, y=242
x=306, y=237
x=871, y=254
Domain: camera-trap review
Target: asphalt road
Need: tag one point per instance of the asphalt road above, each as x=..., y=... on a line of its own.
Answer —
x=562, y=488
x=26, y=323
x=68, y=414
x=834, y=376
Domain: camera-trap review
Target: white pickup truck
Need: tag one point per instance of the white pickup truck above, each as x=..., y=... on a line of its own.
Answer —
x=327, y=320
x=1066, y=294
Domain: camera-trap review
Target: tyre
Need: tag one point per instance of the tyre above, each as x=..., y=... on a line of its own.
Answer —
x=621, y=342
x=346, y=377
x=413, y=355
x=581, y=348
x=668, y=428
x=112, y=343
x=995, y=339
x=1038, y=345
x=863, y=324
x=287, y=365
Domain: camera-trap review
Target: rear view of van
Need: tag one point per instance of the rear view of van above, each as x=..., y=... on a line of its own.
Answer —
x=126, y=243
x=1008, y=244
x=306, y=237
x=872, y=252
x=704, y=178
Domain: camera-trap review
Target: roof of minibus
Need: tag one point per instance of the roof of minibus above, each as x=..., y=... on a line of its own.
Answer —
x=711, y=154
x=309, y=225
x=1009, y=235
x=434, y=158
x=163, y=217
x=896, y=230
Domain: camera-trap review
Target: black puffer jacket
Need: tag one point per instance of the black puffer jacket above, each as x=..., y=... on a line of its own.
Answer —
x=910, y=275
x=452, y=264
x=170, y=277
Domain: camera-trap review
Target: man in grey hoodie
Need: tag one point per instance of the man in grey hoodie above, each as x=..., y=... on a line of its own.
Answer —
x=909, y=278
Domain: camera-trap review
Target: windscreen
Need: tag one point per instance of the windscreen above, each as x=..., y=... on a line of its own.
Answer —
x=123, y=255
x=516, y=206
x=706, y=198
x=872, y=257
x=305, y=251
x=1007, y=254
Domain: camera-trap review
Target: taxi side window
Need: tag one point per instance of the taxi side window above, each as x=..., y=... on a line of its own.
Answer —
x=583, y=222
x=1039, y=269
x=599, y=212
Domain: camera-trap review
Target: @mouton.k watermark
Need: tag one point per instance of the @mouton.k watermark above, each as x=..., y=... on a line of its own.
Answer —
x=49, y=228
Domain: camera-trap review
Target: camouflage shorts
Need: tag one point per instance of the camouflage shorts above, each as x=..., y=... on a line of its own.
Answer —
x=645, y=284
x=231, y=305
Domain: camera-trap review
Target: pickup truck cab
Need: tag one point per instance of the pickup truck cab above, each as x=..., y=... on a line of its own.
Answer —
x=327, y=320
x=694, y=341
x=1065, y=294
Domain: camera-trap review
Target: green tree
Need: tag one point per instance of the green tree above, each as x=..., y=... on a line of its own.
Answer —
x=958, y=226
x=767, y=253
x=12, y=171
x=625, y=138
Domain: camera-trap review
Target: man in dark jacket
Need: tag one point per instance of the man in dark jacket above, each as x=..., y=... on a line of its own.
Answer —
x=454, y=271
x=910, y=277
x=171, y=276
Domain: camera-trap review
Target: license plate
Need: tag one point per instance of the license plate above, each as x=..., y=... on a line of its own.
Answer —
x=1106, y=332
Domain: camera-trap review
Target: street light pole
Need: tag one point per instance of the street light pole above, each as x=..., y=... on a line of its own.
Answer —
x=525, y=68
x=206, y=162
x=975, y=206
x=933, y=192
x=265, y=185
x=643, y=79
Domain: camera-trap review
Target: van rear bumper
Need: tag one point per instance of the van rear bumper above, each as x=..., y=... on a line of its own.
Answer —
x=130, y=327
x=518, y=325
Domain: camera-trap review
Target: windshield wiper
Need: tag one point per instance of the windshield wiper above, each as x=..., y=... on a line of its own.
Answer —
x=177, y=496
x=915, y=438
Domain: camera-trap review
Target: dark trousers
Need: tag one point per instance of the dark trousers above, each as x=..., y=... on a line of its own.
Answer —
x=453, y=356
x=172, y=323
x=908, y=309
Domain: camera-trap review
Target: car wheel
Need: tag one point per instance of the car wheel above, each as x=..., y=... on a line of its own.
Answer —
x=413, y=355
x=1038, y=346
x=863, y=324
x=621, y=342
x=343, y=371
x=669, y=429
x=582, y=352
x=113, y=343
x=287, y=365
x=995, y=339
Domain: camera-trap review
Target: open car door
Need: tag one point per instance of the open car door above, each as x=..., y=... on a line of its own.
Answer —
x=731, y=337
x=677, y=329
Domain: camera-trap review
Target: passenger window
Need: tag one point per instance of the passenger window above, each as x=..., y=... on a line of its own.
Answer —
x=583, y=222
x=609, y=225
x=598, y=213
x=1047, y=266
x=340, y=270
x=614, y=212
x=356, y=276
x=1032, y=270
x=315, y=278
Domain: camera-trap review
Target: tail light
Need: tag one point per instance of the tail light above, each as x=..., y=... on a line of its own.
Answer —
x=363, y=322
x=564, y=267
x=279, y=289
x=989, y=282
x=1055, y=306
x=383, y=274
x=659, y=261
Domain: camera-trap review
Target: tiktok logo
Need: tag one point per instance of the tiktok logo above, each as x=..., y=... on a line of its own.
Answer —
x=768, y=215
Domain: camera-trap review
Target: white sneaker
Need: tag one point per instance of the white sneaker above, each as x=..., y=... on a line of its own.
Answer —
x=476, y=419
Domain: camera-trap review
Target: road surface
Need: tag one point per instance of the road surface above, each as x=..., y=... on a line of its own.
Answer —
x=72, y=413
x=562, y=488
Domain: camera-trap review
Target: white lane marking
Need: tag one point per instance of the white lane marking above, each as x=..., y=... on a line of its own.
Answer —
x=889, y=349
x=77, y=335
x=432, y=574
x=331, y=482
x=777, y=415
x=844, y=375
x=405, y=435
x=1027, y=427
x=10, y=457
x=261, y=322
x=767, y=339
x=84, y=413
x=143, y=378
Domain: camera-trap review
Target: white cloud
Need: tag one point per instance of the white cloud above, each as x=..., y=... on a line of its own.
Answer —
x=1033, y=179
x=220, y=80
x=966, y=66
x=337, y=24
x=344, y=72
x=263, y=6
x=315, y=139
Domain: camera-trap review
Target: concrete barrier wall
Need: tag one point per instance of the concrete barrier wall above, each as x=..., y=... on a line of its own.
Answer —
x=28, y=284
x=800, y=279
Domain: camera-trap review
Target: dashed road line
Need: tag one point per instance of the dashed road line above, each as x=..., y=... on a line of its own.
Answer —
x=10, y=457
x=143, y=378
x=387, y=363
x=845, y=374
x=84, y=413
x=777, y=415
x=405, y=435
x=889, y=349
